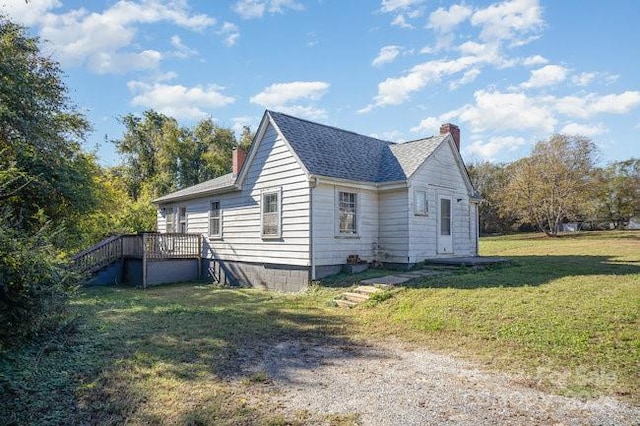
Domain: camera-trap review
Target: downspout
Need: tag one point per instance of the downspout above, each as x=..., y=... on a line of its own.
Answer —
x=312, y=185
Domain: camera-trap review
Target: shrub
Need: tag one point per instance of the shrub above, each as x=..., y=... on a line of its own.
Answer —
x=35, y=285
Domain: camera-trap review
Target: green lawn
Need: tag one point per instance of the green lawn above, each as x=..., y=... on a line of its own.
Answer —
x=564, y=316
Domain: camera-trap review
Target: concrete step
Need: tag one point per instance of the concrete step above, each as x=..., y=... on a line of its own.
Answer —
x=355, y=297
x=342, y=303
x=366, y=289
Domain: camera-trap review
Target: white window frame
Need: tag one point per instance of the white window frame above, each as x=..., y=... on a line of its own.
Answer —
x=169, y=212
x=278, y=214
x=420, y=203
x=219, y=218
x=182, y=220
x=356, y=220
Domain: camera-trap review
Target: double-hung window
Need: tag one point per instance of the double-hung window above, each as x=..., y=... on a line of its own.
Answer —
x=182, y=220
x=215, y=220
x=420, y=203
x=271, y=214
x=347, y=213
x=169, y=219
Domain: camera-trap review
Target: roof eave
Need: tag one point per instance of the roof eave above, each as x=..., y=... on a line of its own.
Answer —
x=222, y=190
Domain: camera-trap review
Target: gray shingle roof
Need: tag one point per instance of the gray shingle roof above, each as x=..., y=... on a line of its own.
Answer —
x=210, y=186
x=412, y=154
x=332, y=152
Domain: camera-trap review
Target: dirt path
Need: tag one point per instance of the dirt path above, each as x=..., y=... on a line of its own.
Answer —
x=394, y=385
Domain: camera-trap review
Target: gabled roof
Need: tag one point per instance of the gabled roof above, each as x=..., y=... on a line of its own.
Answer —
x=332, y=152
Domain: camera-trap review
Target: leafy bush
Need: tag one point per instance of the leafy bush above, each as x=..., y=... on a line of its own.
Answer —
x=34, y=285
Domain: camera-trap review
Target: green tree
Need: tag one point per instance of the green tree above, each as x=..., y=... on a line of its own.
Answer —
x=553, y=184
x=490, y=180
x=618, y=192
x=246, y=138
x=45, y=174
x=160, y=156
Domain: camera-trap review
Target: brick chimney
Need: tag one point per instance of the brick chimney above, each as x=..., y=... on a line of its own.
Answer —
x=237, y=159
x=454, y=130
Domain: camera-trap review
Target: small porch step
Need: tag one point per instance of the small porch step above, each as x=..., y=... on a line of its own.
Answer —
x=359, y=295
x=342, y=303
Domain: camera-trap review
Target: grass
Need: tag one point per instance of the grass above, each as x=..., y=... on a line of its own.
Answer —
x=564, y=317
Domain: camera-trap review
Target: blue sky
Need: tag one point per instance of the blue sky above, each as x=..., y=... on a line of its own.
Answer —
x=509, y=73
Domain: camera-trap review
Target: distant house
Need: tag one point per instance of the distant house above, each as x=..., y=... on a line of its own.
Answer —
x=306, y=197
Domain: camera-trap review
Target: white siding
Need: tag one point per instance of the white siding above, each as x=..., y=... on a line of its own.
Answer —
x=329, y=248
x=440, y=175
x=394, y=226
x=273, y=167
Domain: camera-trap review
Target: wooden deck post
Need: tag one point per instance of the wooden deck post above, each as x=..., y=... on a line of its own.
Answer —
x=199, y=256
x=144, y=261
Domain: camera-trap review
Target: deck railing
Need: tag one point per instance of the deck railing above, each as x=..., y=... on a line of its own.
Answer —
x=146, y=246
x=98, y=256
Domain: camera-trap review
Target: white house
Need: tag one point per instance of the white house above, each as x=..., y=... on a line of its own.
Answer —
x=307, y=196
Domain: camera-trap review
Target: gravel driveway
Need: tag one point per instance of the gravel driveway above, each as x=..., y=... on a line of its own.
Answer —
x=390, y=384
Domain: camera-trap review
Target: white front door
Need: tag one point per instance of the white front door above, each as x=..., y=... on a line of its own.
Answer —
x=445, y=240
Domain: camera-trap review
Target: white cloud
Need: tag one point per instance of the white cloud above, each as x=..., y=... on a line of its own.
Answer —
x=282, y=93
x=508, y=20
x=535, y=60
x=583, y=79
x=400, y=21
x=27, y=13
x=176, y=100
x=495, y=145
x=230, y=32
x=546, y=76
x=387, y=54
x=394, y=91
x=294, y=98
x=495, y=111
x=182, y=51
x=427, y=50
x=583, y=129
x=250, y=9
x=395, y=5
x=467, y=77
x=444, y=21
x=591, y=104
x=119, y=63
x=279, y=6
x=105, y=40
x=304, y=111
x=516, y=111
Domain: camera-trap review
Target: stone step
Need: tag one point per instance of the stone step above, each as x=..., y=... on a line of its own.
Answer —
x=342, y=303
x=355, y=297
x=366, y=289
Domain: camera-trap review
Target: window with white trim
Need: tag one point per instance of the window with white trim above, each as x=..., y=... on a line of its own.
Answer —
x=182, y=220
x=215, y=220
x=169, y=219
x=347, y=213
x=420, y=203
x=271, y=214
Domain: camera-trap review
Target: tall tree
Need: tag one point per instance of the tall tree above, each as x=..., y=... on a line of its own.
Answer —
x=490, y=180
x=618, y=191
x=41, y=131
x=553, y=184
x=161, y=156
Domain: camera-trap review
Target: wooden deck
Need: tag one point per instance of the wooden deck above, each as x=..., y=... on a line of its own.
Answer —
x=148, y=247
